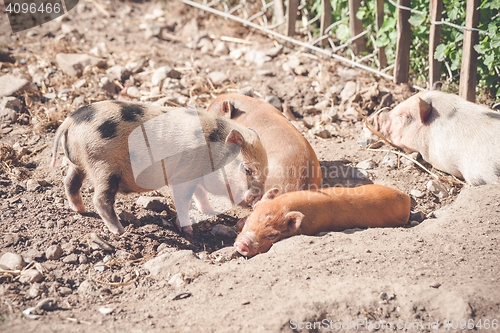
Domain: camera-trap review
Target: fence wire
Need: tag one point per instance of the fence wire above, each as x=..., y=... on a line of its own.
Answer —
x=248, y=13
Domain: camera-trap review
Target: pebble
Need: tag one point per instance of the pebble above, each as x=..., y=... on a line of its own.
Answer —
x=129, y=218
x=247, y=91
x=65, y=291
x=348, y=91
x=205, y=45
x=11, y=261
x=221, y=49
x=33, y=254
x=177, y=280
x=152, y=203
x=351, y=114
x=217, y=78
x=105, y=310
x=291, y=64
x=8, y=116
x=53, y=252
x=97, y=243
x=73, y=64
x=437, y=189
x=390, y=160
x=162, y=73
x=417, y=193
x=118, y=72
x=224, y=231
x=30, y=276
x=108, y=85
x=236, y=54
x=48, y=304
x=274, y=101
x=136, y=66
x=80, y=100
x=35, y=290
x=300, y=70
x=10, y=84
x=225, y=254
x=85, y=288
x=133, y=92
x=383, y=296
x=435, y=285
x=323, y=105
x=273, y=52
x=71, y=259
x=82, y=259
x=366, y=164
x=364, y=142
x=321, y=132
x=265, y=72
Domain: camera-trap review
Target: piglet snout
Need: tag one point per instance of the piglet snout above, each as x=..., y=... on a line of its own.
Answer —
x=242, y=247
x=245, y=244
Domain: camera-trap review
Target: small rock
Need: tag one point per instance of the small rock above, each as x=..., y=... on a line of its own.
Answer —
x=48, y=304
x=32, y=313
x=265, y=72
x=85, y=288
x=78, y=101
x=10, y=84
x=65, y=291
x=435, y=285
x=413, y=223
x=416, y=216
x=351, y=114
x=71, y=259
x=97, y=243
x=364, y=142
x=152, y=203
x=33, y=254
x=108, y=85
x=133, y=92
x=300, y=70
x=105, y=310
x=73, y=64
x=225, y=254
x=348, y=91
x=291, y=64
x=321, y=132
x=35, y=290
x=221, y=49
x=273, y=52
x=162, y=73
x=417, y=193
x=274, y=101
x=217, y=78
x=205, y=45
x=437, y=189
x=11, y=261
x=82, y=259
x=30, y=276
x=151, y=30
x=224, y=231
x=136, y=66
x=347, y=73
x=247, y=91
x=118, y=72
x=390, y=160
x=129, y=218
x=177, y=280
x=236, y=54
x=383, y=296
x=54, y=252
x=323, y=105
x=366, y=164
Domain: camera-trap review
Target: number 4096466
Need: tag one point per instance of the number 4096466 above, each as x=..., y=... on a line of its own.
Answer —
x=18, y=8
x=471, y=324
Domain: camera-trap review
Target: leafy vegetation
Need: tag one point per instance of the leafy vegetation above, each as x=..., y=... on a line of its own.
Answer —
x=448, y=52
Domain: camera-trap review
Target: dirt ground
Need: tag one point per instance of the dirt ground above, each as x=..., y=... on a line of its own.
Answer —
x=443, y=266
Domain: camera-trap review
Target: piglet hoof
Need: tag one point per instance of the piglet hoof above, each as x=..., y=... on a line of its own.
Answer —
x=117, y=230
x=188, y=231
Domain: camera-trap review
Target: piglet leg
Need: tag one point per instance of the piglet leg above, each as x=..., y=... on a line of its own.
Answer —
x=201, y=200
x=72, y=184
x=104, y=200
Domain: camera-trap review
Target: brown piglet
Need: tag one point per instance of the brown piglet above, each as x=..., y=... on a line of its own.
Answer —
x=292, y=163
x=329, y=209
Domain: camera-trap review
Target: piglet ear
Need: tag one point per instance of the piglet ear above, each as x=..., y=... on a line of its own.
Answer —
x=236, y=138
x=293, y=220
x=423, y=109
x=271, y=194
x=241, y=223
x=227, y=109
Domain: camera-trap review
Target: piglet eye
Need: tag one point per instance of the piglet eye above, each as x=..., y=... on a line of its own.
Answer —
x=272, y=236
x=246, y=170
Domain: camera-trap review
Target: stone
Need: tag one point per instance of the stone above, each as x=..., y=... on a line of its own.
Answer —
x=437, y=189
x=348, y=91
x=133, y=92
x=151, y=30
x=273, y=52
x=82, y=259
x=48, y=304
x=129, y=218
x=11, y=261
x=321, y=132
x=300, y=70
x=85, y=288
x=35, y=290
x=97, y=243
x=364, y=142
x=10, y=84
x=8, y=116
x=71, y=259
x=65, y=291
x=152, y=203
x=417, y=193
x=80, y=83
x=390, y=160
x=274, y=101
x=351, y=114
x=225, y=254
x=236, y=54
x=291, y=64
x=366, y=164
x=205, y=45
x=247, y=91
x=78, y=101
x=177, y=280
x=33, y=254
x=416, y=216
x=136, y=66
x=10, y=102
x=323, y=105
x=104, y=310
x=217, y=78
x=53, y=252
x=224, y=231
x=162, y=73
x=30, y=276
x=73, y=64
x=117, y=72
x=108, y=85
x=221, y=49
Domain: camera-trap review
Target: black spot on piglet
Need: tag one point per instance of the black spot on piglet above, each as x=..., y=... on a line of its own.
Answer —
x=84, y=114
x=479, y=182
x=108, y=129
x=129, y=111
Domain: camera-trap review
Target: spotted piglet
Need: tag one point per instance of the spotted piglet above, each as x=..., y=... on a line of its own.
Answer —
x=131, y=147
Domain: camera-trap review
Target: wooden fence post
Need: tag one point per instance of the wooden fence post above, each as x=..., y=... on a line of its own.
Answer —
x=468, y=71
x=326, y=18
x=291, y=10
x=379, y=18
x=356, y=26
x=436, y=9
x=402, y=61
